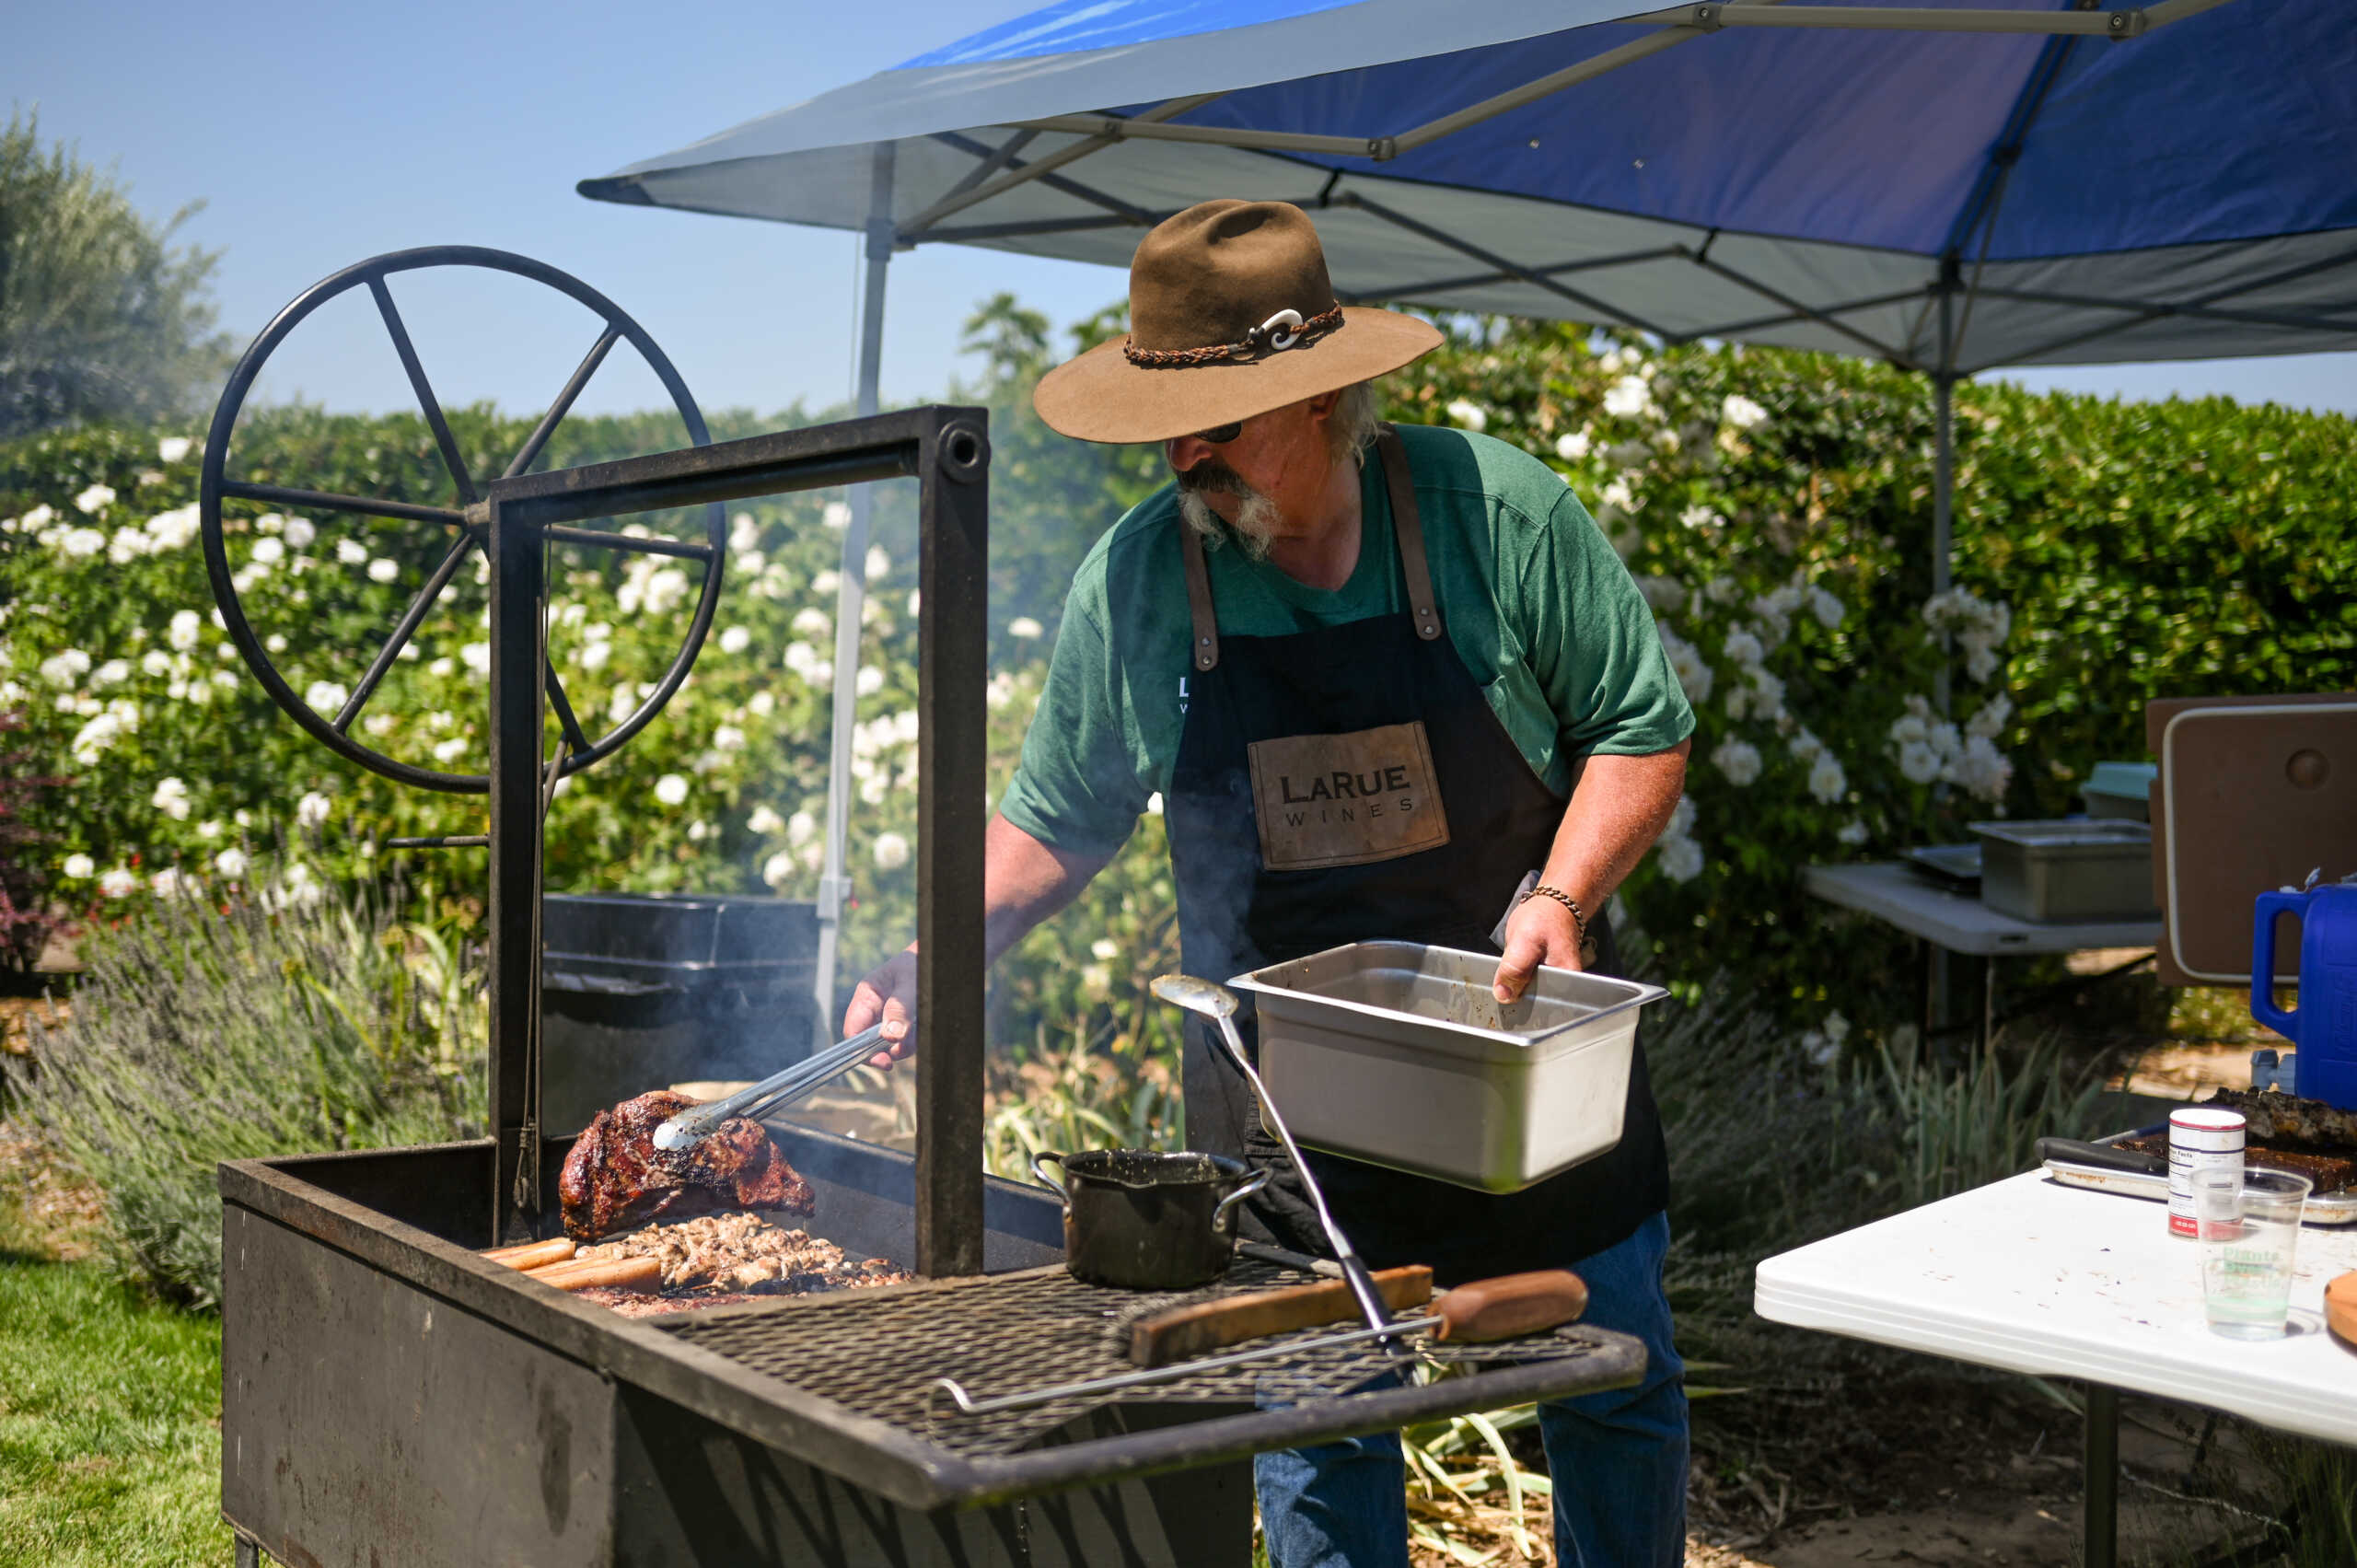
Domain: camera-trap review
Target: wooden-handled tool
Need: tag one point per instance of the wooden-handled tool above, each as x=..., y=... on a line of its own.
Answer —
x=1500, y=1308
x=1185, y=1331
x=2340, y=1307
x=1510, y=1306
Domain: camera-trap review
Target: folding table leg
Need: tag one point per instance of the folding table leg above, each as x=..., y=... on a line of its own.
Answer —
x=2102, y=1476
x=1988, y=1006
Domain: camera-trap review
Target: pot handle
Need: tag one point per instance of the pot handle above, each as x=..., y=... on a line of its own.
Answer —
x=1222, y=1216
x=1042, y=1157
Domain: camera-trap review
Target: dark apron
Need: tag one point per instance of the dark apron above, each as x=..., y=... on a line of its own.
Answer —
x=1392, y=804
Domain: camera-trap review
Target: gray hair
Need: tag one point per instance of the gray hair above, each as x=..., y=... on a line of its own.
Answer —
x=1355, y=423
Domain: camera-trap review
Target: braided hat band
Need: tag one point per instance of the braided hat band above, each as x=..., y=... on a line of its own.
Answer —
x=1285, y=330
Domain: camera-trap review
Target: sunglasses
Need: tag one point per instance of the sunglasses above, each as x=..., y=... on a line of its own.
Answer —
x=1220, y=434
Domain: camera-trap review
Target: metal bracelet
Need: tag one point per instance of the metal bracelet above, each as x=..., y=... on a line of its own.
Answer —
x=1579, y=916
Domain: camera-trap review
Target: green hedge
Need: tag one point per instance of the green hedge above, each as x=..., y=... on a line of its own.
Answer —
x=2136, y=550
x=1774, y=506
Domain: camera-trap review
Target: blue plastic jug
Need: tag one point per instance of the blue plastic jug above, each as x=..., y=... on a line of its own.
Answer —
x=2325, y=1023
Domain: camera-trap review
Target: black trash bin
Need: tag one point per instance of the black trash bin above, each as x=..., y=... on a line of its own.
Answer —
x=639, y=990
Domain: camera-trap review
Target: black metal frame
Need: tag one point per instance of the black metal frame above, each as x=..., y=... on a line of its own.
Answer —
x=947, y=451
x=466, y=519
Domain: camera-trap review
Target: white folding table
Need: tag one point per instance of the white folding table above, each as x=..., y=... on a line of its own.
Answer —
x=1895, y=892
x=2028, y=1275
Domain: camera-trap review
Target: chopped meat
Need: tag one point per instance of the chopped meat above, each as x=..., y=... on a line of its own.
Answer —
x=2270, y=1116
x=615, y=1178
x=714, y=1248
x=720, y=1260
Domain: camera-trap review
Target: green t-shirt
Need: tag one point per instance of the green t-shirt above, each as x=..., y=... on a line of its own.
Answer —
x=1537, y=606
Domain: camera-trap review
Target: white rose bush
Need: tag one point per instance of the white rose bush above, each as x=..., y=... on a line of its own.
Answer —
x=1775, y=510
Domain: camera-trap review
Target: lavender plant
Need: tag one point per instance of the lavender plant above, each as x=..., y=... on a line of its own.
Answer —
x=203, y=1032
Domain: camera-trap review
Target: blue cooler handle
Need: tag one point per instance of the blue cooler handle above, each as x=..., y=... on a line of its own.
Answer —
x=2262, y=961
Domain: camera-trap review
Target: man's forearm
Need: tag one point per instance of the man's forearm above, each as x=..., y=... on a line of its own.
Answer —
x=1618, y=808
x=1024, y=882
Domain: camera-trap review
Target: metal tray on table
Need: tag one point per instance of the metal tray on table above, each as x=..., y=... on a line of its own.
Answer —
x=2337, y=1208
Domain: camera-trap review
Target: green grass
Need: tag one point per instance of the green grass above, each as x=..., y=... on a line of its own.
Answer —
x=110, y=1417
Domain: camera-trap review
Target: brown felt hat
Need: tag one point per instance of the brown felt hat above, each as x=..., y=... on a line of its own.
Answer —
x=1231, y=314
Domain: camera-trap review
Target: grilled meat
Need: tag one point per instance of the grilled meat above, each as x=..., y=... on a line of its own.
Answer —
x=615, y=1178
x=2270, y=1116
x=2331, y=1173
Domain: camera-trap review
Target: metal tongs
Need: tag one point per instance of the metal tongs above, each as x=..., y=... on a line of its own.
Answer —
x=696, y=1123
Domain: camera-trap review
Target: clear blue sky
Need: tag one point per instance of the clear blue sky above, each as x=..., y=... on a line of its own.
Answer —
x=320, y=135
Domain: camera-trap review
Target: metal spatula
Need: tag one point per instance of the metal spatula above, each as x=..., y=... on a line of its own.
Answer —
x=1217, y=1003
x=694, y=1124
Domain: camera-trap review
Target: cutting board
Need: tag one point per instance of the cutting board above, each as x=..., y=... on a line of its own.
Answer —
x=2254, y=793
x=2340, y=1308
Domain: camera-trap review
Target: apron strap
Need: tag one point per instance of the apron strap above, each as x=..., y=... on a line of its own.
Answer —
x=1409, y=529
x=1199, y=597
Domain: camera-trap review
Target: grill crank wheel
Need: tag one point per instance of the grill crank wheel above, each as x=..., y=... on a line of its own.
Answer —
x=465, y=521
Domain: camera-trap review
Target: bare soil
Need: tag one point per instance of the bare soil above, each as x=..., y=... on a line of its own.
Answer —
x=61, y=1213
x=1909, y=1462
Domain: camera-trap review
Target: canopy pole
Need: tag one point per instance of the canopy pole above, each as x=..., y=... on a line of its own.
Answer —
x=1944, y=477
x=851, y=601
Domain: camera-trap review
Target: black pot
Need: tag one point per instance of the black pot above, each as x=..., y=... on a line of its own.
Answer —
x=1138, y=1219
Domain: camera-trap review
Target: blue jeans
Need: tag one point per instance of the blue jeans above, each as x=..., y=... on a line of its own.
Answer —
x=1617, y=1458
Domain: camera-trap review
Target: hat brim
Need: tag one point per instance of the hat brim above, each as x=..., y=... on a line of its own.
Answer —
x=1100, y=396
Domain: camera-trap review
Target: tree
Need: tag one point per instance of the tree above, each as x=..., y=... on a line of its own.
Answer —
x=100, y=318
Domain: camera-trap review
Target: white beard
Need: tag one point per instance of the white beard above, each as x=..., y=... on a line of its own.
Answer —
x=1254, y=531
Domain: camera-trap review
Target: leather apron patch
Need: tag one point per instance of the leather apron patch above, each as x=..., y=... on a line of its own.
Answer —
x=1346, y=799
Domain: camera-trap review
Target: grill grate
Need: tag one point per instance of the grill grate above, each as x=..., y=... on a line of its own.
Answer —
x=876, y=1353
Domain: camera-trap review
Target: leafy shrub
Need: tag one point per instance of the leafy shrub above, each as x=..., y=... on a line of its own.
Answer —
x=1775, y=506
x=199, y=1034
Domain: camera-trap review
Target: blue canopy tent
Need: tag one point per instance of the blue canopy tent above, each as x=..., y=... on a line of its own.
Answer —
x=1948, y=188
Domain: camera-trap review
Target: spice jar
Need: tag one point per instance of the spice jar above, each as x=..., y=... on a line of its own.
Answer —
x=2201, y=1138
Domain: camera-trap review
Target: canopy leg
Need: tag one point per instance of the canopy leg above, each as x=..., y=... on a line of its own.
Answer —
x=1943, y=482
x=851, y=601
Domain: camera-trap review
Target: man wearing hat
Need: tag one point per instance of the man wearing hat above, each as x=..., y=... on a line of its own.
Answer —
x=1378, y=677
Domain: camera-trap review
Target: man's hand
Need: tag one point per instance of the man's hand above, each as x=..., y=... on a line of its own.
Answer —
x=1540, y=930
x=1024, y=881
x=889, y=992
